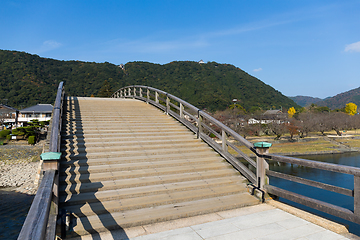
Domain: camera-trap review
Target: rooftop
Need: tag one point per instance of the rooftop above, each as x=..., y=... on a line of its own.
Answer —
x=39, y=108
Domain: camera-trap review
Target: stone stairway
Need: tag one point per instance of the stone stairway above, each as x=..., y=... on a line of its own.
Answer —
x=125, y=163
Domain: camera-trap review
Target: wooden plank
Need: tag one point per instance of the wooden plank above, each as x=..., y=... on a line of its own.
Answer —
x=315, y=164
x=56, y=120
x=243, y=155
x=314, y=203
x=357, y=196
x=312, y=183
x=231, y=159
x=36, y=222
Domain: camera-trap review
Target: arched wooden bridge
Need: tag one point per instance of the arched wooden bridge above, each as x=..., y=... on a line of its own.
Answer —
x=145, y=156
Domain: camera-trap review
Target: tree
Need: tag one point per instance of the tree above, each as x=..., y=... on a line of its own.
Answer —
x=307, y=123
x=337, y=122
x=278, y=129
x=105, y=90
x=321, y=122
x=351, y=109
x=293, y=128
x=291, y=112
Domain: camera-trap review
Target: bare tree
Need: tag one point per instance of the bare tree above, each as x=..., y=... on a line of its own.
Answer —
x=337, y=121
x=278, y=129
x=306, y=123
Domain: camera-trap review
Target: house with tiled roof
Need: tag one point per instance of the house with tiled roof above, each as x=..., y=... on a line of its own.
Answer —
x=8, y=116
x=41, y=112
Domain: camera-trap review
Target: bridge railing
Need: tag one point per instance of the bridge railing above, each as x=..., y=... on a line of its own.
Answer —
x=221, y=138
x=40, y=222
x=210, y=130
x=344, y=213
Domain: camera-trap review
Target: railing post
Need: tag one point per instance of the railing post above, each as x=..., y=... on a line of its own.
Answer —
x=156, y=97
x=223, y=140
x=140, y=92
x=181, y=110
x=199, y=120
x=357, y=196
x=167, y=104
x=121, y=93
x=261, y=164
x=129, y=91
x=134, y=92
x=147, y=95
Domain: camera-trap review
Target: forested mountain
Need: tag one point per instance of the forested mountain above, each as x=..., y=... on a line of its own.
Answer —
x=305, y=100
x=27, y=79
x=340, y=100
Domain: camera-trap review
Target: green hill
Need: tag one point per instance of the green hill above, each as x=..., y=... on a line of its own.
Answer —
x=305, y=100
x=341, y=99
x=27, y=79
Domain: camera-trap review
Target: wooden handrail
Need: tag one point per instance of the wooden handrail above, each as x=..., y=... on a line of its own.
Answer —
x=56, y=120
x=196, y=123
x=315, y=164
x=200, y=117
x=40, y=222
x=36, y=221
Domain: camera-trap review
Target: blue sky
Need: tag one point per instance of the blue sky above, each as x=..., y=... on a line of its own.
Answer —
x=306, y=47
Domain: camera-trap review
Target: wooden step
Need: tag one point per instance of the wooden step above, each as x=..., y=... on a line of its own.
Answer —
x=138, y=217
x=125, y=142
x=128, y=166
x=126, y=163
x=76, y=156
x=151, y=200
x=130, y=159
x=86, y=177
x=73, y=199
x=70, y=188
x=71, y=149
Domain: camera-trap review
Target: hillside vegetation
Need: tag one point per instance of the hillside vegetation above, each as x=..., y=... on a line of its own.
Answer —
x=27, y=79
x=305, y=101
x=340, y=100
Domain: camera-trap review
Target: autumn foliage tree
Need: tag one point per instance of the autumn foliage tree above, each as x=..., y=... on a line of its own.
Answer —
x=291, y=112
x=351, y=109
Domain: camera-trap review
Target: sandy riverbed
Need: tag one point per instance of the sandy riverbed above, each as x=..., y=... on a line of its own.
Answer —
x=18, y=167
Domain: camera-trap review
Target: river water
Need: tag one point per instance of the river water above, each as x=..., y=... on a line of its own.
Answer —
x=337, y=179
x=14, y=207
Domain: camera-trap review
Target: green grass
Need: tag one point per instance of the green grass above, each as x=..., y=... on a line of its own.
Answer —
x=318, y=145
x=349, y=142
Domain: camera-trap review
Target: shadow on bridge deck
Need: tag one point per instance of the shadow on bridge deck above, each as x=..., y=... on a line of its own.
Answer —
x=75, y=183
x=127, y=164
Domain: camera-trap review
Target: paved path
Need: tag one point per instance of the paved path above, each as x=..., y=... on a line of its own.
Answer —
x=255, y=222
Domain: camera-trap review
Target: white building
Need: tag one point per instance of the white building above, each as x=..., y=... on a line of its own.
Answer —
x=41, y=112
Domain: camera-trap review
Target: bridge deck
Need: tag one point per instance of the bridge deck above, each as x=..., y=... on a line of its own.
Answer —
x=126, y=163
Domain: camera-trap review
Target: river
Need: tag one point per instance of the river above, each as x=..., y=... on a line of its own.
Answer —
x=14, y=207
x=337, y=179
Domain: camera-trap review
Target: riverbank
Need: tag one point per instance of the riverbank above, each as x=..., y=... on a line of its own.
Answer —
x=19, y=164
x=313, y=144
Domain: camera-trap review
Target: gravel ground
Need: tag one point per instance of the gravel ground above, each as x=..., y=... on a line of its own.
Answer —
x=18, y=167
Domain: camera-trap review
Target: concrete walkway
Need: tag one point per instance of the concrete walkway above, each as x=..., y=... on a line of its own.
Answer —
x=255, y=222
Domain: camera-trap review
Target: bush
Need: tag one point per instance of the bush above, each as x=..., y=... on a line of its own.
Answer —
x=4, y=133
x=8, y=137
x=31, y=140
